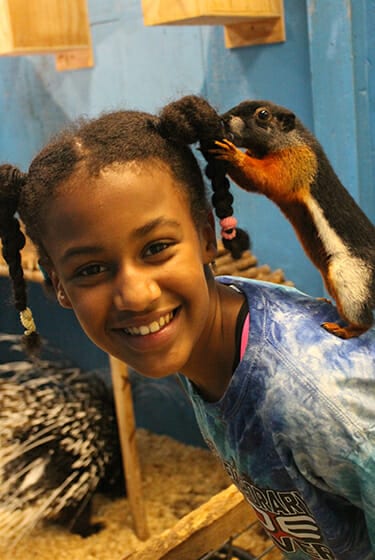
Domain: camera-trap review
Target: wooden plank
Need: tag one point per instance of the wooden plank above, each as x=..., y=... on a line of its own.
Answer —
x=206, y=12
x=6, y=36
x=203, y=530
x=127, y=429
x=74, y=60
x=124, y=408
x=40, y=26
x=259, y=32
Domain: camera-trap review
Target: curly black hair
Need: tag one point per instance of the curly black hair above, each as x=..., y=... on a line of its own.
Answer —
x=115, y=137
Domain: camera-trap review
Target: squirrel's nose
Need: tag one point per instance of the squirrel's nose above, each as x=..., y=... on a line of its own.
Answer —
x=225, y=121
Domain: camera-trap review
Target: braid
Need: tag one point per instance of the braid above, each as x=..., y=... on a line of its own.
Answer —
x=192, y=119
x=13, y=241
x=234, y=239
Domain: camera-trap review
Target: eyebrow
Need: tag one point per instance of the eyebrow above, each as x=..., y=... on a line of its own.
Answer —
x=138, y=233
x=83, y=250
x=153, y=224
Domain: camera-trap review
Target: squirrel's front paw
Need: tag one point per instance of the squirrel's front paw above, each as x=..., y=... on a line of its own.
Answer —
x=227, y=151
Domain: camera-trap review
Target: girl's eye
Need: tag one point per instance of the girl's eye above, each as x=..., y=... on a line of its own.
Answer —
x=91, y=270
x=263, y=114
x=156, y=248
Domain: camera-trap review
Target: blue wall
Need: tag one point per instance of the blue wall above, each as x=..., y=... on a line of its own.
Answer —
x=322, y=72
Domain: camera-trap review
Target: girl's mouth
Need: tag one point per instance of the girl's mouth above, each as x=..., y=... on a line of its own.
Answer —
x=153, y=327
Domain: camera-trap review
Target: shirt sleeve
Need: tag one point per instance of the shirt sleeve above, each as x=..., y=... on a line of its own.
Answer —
x=358, y=483
x=331, y=446
x=321, y=406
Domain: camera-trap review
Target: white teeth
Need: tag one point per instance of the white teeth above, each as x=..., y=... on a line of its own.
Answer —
x=153, y=327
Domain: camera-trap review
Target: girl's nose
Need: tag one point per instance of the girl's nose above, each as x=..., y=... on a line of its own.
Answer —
x=135, y=291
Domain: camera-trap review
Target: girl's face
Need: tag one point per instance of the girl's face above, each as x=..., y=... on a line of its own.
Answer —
x=129, y=260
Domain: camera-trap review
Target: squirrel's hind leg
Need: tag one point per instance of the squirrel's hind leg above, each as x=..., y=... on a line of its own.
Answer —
x=348, y=331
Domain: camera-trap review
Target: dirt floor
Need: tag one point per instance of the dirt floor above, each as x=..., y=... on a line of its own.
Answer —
x=176, y=479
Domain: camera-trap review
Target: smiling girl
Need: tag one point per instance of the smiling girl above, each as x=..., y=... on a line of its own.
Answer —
x=118, y=211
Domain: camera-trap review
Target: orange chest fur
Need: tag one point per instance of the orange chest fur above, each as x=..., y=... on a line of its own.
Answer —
x=283, y=176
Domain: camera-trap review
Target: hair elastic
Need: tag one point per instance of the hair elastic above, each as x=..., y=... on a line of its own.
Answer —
x=27, y=321
x=228, y=227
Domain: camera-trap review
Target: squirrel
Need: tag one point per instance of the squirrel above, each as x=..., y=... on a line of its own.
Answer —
x=285, y=162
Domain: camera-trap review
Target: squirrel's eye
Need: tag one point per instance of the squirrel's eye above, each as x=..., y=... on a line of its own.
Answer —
x=263, y=114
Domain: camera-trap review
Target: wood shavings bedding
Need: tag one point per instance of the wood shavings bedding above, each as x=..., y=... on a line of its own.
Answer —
x=176, y=479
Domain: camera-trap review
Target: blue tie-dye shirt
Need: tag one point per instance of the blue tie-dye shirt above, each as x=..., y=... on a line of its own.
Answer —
x=295, y=428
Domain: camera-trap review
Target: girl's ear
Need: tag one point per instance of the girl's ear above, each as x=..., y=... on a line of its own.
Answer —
x=209, y=243
x=60, y=293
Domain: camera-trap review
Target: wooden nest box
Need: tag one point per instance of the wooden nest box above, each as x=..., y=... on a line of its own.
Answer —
x=58, y=27
x=246, y=22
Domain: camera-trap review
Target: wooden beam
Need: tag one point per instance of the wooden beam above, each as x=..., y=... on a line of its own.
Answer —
x=207, y=12
x=260, y=32
x=43, y=26
x=257, y=32
x=127, y=428
x=250, y=22
x=203, y=530
x=124, y=408
x=74, y=60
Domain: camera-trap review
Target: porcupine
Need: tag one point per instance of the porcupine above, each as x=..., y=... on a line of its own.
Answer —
x=58, y=445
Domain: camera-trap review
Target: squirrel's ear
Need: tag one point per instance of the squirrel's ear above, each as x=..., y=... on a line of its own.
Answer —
x=287, y=120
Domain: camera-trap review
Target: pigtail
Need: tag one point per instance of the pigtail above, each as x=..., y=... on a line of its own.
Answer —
x=13, y=241
x=192, y=119
x=235, y=239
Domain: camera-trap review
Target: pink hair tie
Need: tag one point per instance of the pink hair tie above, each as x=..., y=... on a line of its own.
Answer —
x=228, y=227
